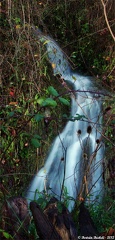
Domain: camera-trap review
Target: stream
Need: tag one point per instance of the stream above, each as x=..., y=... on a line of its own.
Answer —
x=75, y=161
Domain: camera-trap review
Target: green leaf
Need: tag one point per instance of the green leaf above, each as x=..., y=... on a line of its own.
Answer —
x=76, y=117
x=47, y=41
x=36, y=96
x=11, y=114
x=64, y=101
x=59, y=207
x=25, y=134
x=49, y=102
x=113, y=121
x=4, y=129
x=36, y=136
x=74, y=54
x=65, y=116
x=40, y=100
x=53, y=91
x=35, y=142
x=38, y=117
x=74, y=78
x=42, y=39
x=6, y=235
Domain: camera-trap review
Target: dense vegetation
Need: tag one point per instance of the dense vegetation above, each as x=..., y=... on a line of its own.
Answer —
x=85, y=33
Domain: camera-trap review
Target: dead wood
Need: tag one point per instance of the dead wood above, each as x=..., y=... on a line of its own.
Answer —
x=53, y=224
x=44, y=227
x=86, y=224
x=15, y=218
x=61, y=219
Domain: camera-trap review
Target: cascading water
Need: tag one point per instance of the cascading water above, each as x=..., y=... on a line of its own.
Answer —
x=79, y=145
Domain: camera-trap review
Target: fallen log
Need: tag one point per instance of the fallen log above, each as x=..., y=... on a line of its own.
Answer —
x=53, y=224
x=61, y=219
x=86, y=224
x=44, y=227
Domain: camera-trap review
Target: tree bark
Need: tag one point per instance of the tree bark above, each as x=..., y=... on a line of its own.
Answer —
x=44, y=227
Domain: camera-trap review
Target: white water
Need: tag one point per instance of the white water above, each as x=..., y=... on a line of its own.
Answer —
x=69, y=144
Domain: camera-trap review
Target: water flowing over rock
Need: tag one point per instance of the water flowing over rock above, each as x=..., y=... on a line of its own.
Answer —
x=80, y=143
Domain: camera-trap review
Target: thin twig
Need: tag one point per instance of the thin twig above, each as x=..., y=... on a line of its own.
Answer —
x=106, y=19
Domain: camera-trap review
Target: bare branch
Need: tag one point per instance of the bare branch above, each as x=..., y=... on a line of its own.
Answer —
x=106, y=19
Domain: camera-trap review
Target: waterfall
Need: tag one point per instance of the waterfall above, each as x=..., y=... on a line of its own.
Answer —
x=75, y=160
